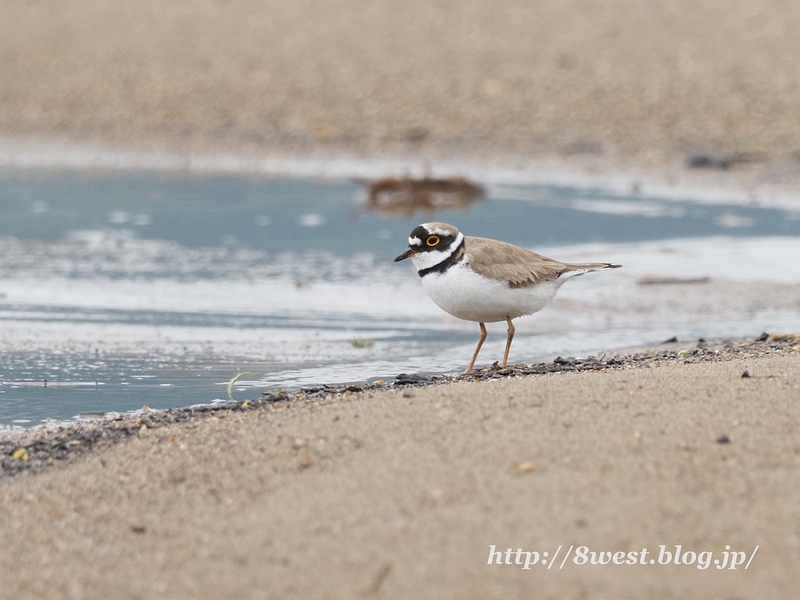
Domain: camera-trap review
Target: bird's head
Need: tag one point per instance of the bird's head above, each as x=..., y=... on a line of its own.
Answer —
x=431, y=243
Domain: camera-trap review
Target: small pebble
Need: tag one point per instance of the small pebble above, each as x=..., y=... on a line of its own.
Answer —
x=525, y=467
x=723, y=439
x=746, y=374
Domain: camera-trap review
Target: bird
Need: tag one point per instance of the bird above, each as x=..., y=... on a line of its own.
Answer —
x=484, y=280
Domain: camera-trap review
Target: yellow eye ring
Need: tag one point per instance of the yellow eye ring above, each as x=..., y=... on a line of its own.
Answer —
x=432, y=241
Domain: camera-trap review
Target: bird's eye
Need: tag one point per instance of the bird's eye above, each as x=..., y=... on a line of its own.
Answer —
x=432, y=241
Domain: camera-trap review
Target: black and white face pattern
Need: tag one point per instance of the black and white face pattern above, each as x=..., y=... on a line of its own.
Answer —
x=430, y=244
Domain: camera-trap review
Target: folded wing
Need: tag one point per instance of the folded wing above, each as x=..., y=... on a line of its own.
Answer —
x=519, y=267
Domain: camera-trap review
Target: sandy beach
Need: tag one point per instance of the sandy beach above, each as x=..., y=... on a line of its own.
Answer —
x=401, y=492
x=590, y=87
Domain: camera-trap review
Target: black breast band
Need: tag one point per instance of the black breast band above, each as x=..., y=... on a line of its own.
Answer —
x=454, y=258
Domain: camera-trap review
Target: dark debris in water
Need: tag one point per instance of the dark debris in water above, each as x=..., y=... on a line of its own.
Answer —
x=36, y=449
x=391, y=196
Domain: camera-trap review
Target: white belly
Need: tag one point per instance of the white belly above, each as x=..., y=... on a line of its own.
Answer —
x=469, y=296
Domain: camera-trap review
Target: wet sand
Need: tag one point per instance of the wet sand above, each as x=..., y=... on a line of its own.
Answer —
x=400, y=493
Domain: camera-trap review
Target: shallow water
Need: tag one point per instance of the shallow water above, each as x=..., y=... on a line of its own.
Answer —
x=123, y=290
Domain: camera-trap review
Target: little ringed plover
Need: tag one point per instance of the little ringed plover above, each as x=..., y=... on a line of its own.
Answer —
x=487, y=281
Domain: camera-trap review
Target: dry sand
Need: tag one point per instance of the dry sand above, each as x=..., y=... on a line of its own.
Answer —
x=626, y=84
x=400, y=494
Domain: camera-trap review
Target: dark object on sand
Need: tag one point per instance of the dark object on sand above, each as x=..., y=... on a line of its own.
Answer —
x=672, y=340
x=746, y=375
x=391, y=196
x=564, y=361
x=672, y=280
x=723, y=439
x=722, y=160
x=763, y=337
x=710, y=160
x=409, y=379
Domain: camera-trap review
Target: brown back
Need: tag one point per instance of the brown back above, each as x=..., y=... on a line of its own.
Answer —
x=519, y=267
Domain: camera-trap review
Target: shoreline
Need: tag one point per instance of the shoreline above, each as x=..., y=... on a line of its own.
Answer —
x=742, y=184
x=47, y=445
x=401, y=492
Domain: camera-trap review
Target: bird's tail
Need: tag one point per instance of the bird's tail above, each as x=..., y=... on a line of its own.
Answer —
x=589, y=266
x=576, y=269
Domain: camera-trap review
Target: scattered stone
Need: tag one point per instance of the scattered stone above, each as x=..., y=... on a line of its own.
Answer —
x=672, y=340
x=763, y=337
x=746, y=374
x=723, y=439
x=781, y=337
x=414, y=378
x=274, y=396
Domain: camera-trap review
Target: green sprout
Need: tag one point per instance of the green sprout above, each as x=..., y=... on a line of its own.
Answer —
x=232, y=381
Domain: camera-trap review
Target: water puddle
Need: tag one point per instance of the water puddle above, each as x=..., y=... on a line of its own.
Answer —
x=124, y=290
